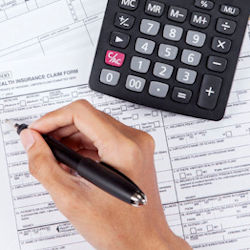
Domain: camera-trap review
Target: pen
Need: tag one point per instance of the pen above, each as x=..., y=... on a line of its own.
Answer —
x=100, y=174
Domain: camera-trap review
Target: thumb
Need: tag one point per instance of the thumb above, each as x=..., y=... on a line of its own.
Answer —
x=42, y=163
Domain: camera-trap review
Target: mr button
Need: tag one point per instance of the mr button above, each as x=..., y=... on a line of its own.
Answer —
x=210, y=91
x=154, y=8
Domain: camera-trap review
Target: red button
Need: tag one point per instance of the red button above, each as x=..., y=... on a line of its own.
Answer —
x=114, y=58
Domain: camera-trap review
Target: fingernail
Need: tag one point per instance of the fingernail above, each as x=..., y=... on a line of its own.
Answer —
x=27, y=139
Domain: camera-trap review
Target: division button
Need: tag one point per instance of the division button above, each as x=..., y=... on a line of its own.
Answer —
x=149, y=27
x=221, y=45
x=217, y=64
x=119, y=40
x=200, y=20
x=158, y=89
x=135, y=83
x=226, y=26
x=177, y=14
x=154, y=8
x=229, y=10
x=210, y=91
x=109, y=77
x=129, y=4
x=124, y=21
x=204, y=4
x=182, y=95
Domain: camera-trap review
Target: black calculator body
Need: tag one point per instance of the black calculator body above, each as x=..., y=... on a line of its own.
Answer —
x=176, y=55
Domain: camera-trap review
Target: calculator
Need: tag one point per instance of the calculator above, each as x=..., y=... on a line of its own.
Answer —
x=176, y=55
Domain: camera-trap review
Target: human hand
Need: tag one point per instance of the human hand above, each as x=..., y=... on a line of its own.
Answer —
x=104, y=221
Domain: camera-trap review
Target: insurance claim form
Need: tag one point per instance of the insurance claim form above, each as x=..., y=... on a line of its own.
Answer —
x=203, y=167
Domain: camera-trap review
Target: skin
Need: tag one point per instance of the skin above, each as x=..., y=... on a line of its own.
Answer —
x=104, y=221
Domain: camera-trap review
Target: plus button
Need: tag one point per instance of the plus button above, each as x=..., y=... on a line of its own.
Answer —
x=210, y=91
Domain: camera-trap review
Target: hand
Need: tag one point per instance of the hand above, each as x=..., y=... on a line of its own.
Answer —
x=104, y=221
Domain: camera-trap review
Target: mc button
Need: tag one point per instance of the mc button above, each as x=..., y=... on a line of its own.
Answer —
x=129, y=4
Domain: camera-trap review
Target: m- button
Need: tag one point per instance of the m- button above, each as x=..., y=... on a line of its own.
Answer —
x=129, y=4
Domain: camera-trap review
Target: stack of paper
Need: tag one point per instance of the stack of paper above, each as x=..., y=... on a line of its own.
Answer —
x=203, y=167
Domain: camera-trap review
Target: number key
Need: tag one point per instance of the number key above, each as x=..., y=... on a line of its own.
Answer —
x=149, y=27
x=172, y=33
x=135, y=83
x=109, y=77
x=139, y=64
x=168, y=52
x=191, y=57
x=144, y=46
x=163, y=71
x=186, y=76
x=195, y=38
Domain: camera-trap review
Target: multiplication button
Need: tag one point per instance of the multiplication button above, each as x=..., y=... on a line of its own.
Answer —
x=210, y=91
x=221, y=45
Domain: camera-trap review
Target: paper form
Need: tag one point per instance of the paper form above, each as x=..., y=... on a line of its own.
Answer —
x=42, y=27
x=203, y=167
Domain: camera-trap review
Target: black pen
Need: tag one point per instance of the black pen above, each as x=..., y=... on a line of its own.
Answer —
x=100, y=174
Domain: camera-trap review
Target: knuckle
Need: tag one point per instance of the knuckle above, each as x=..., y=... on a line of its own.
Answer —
x=134, y=152
x=81, y=104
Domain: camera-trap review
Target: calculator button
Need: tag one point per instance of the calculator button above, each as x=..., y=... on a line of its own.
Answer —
x=168, y=52
x=191, y=57
x=119, y=40
x=204, y=4
x=139, y=64
x=226, y=26
x=200, y=20
x=135, y=83
x=144, y=46
x=229, y=10
x=172, y=33
x=182, y=95
x=129, y=4
x=217, y=64
x=114, y=58
x=154, y=8
x=209, y=93
x=195, y=38
x=109, y=77
x=158, y=89
x=177, y=14
x=186, y=76
x=149, y=27
x=163, y=71
x=222, y=45
x=124, y=21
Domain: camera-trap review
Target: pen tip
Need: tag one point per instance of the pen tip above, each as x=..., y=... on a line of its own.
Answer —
x=138, y=199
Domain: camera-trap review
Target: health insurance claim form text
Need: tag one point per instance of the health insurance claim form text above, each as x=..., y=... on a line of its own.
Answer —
x=203, y=167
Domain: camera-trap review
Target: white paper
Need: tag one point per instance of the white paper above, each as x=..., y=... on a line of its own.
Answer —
x=42, y=27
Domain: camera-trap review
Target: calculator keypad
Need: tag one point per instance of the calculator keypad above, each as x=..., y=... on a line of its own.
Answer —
x=178, y=54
